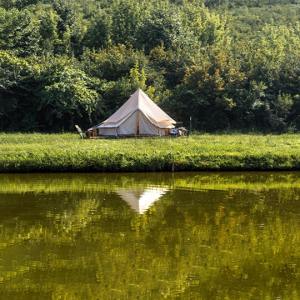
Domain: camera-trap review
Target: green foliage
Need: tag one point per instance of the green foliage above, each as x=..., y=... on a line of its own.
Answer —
x=19, y=32
x=127, y=17
x=228, y=65
x=16, y=83
x=67, y=94
x=162, y=27
x=98, y=35
x=55, y=95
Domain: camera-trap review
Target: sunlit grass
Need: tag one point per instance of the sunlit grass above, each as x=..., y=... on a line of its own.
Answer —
x=66, y=152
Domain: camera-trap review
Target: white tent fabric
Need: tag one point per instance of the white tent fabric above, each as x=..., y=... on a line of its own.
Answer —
x=141, y=200
x=139, y=115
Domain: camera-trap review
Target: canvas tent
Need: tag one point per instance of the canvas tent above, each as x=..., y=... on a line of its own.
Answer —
x=138, y=116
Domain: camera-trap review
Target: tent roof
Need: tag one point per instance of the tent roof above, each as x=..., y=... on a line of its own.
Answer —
x=139, y=101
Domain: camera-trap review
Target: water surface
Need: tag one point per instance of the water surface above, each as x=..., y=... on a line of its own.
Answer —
x=150, y=236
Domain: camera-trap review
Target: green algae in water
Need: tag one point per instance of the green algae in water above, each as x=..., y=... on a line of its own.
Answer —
x=150, y=236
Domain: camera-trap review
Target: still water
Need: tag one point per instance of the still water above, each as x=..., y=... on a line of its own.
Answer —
x=150, y=236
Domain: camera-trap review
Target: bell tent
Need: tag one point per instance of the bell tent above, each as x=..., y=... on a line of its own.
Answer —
x=138, y=116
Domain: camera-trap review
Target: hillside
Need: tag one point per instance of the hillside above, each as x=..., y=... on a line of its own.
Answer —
x=230, y=65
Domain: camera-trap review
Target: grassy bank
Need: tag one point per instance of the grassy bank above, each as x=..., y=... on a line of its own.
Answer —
x=66, y=152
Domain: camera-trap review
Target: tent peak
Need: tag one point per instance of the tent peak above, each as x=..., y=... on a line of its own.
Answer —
x=139, y=91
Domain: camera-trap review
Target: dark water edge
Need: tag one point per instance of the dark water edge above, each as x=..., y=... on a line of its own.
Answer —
x=165, y=168
x=150, y=236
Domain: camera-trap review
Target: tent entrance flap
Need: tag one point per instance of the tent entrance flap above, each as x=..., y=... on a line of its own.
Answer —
x=137, y=124
x=147, y=127
x=128, y=127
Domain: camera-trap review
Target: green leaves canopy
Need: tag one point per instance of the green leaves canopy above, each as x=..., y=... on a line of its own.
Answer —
x=66, y=62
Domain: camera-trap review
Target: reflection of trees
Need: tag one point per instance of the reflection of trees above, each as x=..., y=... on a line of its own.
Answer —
x=54, y=183
x=201, y=245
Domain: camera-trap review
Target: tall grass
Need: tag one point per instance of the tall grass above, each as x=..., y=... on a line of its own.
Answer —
x=66, y=152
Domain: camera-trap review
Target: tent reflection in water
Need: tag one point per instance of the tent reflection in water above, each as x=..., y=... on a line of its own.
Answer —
x=138, y=116
x=140, y=200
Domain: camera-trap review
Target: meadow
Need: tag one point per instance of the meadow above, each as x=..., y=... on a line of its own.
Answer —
x=67, y=152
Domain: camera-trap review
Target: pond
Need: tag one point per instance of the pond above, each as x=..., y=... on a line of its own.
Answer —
x=150, y=236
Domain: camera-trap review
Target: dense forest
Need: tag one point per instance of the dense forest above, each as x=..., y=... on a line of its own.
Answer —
x=230, y=65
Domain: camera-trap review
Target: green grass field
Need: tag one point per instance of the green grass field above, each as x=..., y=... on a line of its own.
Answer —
x=67, y=152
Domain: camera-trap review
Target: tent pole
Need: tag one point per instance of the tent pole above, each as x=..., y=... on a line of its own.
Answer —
x=138, y=123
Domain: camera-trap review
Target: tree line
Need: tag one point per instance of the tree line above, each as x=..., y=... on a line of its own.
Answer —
x=229, y=66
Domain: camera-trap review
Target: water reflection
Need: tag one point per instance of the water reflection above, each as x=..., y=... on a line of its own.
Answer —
x=208, y=236
x=141, y=200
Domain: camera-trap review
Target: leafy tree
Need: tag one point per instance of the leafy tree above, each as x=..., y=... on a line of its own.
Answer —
x=19, y=32
x=68, y=96
x=113, y=62
x=127, y=17
x=16, y=92
x=98, y=35
x=163, y=27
